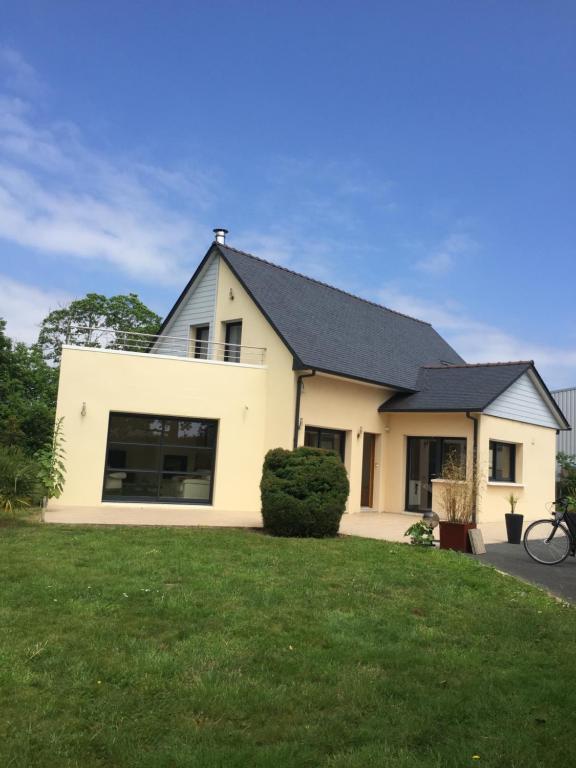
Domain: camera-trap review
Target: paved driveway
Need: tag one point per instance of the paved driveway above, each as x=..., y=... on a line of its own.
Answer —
x=560, y=580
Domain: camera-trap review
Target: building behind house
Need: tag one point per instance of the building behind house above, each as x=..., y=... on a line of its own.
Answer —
x=566, y=399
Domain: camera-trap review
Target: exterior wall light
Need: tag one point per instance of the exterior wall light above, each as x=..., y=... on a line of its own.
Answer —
x=83, y=410
x=360, y=432
x=231, y=295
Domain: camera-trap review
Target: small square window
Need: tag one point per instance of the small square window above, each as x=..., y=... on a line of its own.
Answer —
x=502, y=462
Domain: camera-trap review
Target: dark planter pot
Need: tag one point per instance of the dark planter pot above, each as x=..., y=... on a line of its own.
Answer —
x=514, y=523
x=455, y=536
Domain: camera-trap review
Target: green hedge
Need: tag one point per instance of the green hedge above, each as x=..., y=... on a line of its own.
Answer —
x=303, y=492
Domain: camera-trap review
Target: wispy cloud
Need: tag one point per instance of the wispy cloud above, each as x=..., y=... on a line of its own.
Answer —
x=318, y=216
x=478, y=341
x=16, y=74
x=24, y=307
x=59, y=195
x=447, y=253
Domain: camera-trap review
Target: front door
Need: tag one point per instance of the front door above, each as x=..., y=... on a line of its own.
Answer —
x=367, y=490
x=425, y=458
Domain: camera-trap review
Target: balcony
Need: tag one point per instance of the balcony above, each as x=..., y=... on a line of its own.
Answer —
x=165, y=345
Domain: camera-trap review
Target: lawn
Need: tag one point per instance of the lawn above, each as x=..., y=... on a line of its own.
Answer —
x=161, y=648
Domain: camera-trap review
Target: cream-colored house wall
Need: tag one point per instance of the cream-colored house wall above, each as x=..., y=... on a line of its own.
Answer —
x=535, y=468
x=257, y=331
x=535, y=463
x=404, y=425
x=345, y=405
x=139, y=383
x=255, y=407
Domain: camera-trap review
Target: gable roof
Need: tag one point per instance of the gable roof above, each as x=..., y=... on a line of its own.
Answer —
x=470, y=387
x=332, y=331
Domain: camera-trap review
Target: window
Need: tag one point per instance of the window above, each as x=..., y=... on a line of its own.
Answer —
x=233, y=341
x=201, y=338
x=425, y=457
x=329, y=439
x=502, y=462
x=159, y=459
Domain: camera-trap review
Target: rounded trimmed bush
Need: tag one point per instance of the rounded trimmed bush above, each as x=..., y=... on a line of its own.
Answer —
x=303, y=492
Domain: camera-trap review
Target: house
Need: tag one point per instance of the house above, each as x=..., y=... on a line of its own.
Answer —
x=253, y=356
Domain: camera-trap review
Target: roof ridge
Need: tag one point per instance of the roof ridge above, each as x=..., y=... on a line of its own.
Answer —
x=325, y=285
x=478, y=365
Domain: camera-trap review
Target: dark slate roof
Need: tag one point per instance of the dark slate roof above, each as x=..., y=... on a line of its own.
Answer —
x=458, y=387
x=333, y=331
x=466, y=388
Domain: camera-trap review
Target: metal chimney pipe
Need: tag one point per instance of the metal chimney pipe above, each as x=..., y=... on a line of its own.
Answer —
x=220, y=235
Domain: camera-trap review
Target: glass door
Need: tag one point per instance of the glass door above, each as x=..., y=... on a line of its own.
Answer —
x=425, y=458
x=422, y=468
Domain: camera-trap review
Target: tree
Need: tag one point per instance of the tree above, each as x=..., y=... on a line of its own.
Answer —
x=28, y=388
x=84, y=322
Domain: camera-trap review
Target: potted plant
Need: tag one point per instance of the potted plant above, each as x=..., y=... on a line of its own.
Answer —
x=514, y=521
x=458, y=493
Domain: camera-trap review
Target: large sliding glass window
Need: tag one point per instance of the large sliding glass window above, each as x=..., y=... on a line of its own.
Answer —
x=329, y=439
x=158, y=458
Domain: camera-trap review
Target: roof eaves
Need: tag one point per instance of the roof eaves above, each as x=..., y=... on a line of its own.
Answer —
x=384, y=385
x=551, y=399
x=465, y=409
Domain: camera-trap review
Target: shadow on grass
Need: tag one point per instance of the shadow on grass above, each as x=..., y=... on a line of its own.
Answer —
x=21, y=517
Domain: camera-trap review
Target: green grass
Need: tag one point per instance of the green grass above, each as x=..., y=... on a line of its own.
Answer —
x=161, y=648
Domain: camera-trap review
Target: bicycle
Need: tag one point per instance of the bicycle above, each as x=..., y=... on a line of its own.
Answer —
x=549, y=542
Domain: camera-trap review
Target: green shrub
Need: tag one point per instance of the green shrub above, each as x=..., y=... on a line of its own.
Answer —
x=566, y=485
x=19, y=486
x=303, y=492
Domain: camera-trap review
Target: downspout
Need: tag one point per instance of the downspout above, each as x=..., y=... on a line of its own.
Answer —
x=298, y=397
x=474, y=461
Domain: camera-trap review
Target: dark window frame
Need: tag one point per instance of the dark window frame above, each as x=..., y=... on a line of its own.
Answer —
x=492, y=448
x=324, y=430
x=159, y=471
x=439, y=460
x=232, y=350
x=201, y=345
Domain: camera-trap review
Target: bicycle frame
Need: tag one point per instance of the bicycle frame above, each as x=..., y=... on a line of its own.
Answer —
x=562, y=515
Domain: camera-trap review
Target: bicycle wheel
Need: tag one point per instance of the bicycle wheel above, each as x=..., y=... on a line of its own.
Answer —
x=546, y=543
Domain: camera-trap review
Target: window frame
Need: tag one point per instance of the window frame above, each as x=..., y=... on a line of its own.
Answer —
x=160, y=445
x=200, y=351
x=438, y=462
x=326, y=430
x=492, y=446
x=232, y=350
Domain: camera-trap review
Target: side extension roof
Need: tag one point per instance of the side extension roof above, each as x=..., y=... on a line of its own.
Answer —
x=466, y=388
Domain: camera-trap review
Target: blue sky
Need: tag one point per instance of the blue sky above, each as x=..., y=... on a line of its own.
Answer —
x=419, y=153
